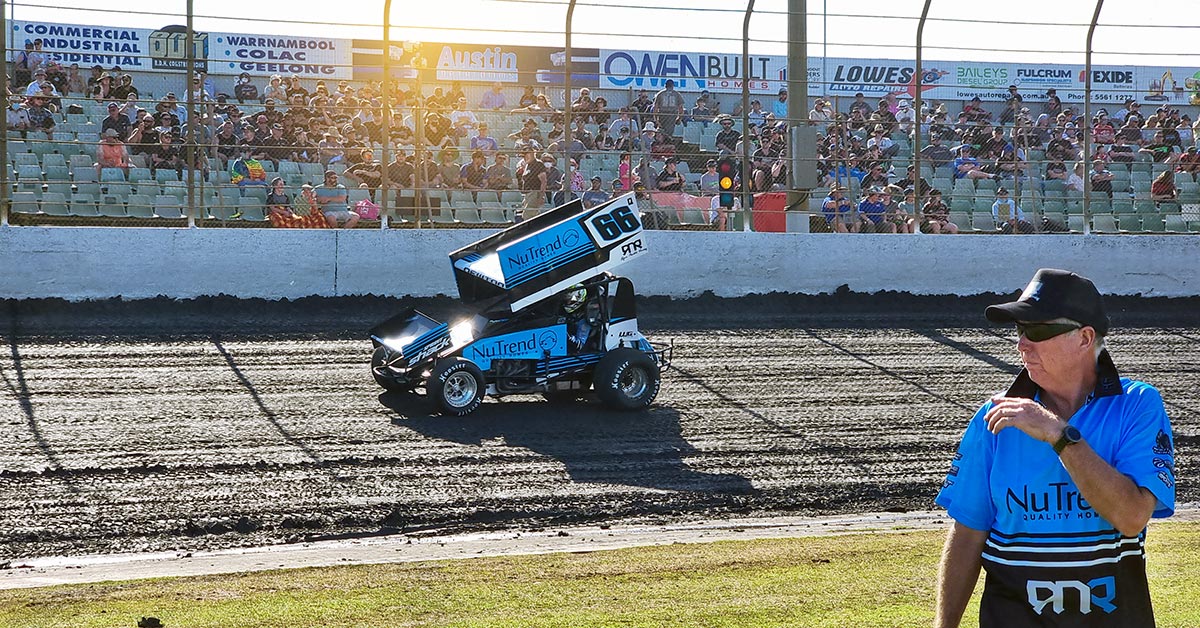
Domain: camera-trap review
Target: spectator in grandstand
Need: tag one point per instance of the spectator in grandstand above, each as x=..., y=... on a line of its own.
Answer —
x=227, y=144
x=1189, y=162
x=275, y=89
x=75, y=84
x=330, y=149
x=624, y=121
x=1072, y=181
x=1008, y=215
x=246, y=169
x=839, y=211
x=462, y=120
x=875, y=177
x=473, y=176
x=668, y=107
x=111, y=152
x=494, y=99
x=334, y=202
x=554, y=176
x=936, y=152
x=905, y=116
x=528, y=97
x=897, y=213
x=18, y=115
x=1162, y=188
x=401, y=172
x=821, y=113
x=662, y=147
x=35, y=86
x=167, y=155
x=41, y=116
x=499, y=176
x=1102, y=178
x=594, y=195
x=935, y=216
x=880, y=139
x=975, y=111
x=244, y=90
x=1102, y=128
x=22, y=72
x=532, y=178
x=910, y=181
x=582, y=135
x=125, y=88
x=871, y=214
x=967, y=166
x=115, y=121
x=101, y=91
x=626, y=173
x=583, y=107
x=670, y=179
x=883, y=116
x=709, y=182
x=367, y=173
x=57, y=77
x=603, y=141
x=540, y=108
x=283, y=215
x=728, y=137
x=448, y=168
x=484, y=142
x=1158, y=148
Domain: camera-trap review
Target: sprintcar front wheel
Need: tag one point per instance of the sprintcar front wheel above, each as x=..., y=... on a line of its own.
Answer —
x=456, y=386
x=627, y=379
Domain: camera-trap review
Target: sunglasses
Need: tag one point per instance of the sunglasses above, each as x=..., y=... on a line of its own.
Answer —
x=1037, y=332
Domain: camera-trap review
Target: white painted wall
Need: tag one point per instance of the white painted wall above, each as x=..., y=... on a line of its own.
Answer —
x=95, y=263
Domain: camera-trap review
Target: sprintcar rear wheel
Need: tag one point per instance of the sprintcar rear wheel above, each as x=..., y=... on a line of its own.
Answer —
x=456, y=386
x=378, y=359
x=627, y=379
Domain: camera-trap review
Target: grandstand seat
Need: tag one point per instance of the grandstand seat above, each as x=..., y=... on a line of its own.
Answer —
x=54, y=159
x=962, y=219
x=84, y=205
x=983, y=221
x=140, y=174
x=988, y=185
x=1100, y=206
x=691, y=216
x=112, y=206
x=442, y=216
x=29, y=172
x=487, y=196
x=494, y=216
x=1152, y=223
x=55, y=204
x=255, y=191
x=983, y=204
x=312, y=170
x=25, y=203
x=43, y=148
x=288, y=167
x=140, y=206
x=163, y=175
x=1174, y=223
x=176, y=189
x=252, y=209
x=167, y=206
x=1076, y=223
x=25, y=159
x=467, y=216
x=354, y=195
x=1104, y=223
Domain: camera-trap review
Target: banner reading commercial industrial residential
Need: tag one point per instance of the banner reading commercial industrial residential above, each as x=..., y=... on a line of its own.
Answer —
x=163, y=50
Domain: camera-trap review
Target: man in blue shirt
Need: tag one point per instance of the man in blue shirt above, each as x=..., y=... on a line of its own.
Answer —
x=870, y=215
x=1055, y=509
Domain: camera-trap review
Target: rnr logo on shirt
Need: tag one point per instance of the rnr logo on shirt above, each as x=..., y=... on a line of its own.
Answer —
x=1098, y=593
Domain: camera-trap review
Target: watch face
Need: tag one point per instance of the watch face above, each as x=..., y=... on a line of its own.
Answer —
x=1071, y=433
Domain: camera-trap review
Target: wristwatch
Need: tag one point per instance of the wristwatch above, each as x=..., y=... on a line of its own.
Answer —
x=1070, y=436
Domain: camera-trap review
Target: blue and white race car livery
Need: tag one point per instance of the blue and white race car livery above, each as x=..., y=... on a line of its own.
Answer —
x=550, y=318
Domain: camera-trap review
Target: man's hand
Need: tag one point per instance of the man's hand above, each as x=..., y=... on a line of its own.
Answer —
x=1026, y=415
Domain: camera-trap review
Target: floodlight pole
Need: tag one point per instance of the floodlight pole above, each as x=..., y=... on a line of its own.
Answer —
x=797, y=86
x=566, y=168
x=384, y=98
x=1087, y=118
x=746, y=209
x=918, y=81
x=189, y=148
x=4, y=172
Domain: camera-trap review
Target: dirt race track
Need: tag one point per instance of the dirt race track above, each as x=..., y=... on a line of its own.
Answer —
x=198, y=425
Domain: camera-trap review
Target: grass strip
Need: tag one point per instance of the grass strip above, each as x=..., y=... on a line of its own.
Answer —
x=864, y=580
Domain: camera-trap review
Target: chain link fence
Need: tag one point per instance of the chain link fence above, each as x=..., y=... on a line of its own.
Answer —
x=117, y=126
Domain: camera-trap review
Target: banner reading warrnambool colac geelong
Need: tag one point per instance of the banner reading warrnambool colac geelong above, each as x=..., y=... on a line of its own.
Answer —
x=165, y=50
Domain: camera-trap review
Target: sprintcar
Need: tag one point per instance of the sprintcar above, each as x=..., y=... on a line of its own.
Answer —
x=549, y=318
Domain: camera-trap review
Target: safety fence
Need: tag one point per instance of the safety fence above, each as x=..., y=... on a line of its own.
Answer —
x=181, y=126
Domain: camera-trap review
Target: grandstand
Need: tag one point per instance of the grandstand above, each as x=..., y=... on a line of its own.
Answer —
x=54, y=179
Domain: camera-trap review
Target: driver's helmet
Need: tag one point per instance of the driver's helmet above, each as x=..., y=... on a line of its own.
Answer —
x=575, y=299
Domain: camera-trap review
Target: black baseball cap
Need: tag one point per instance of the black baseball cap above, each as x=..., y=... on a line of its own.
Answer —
x=1055, y=294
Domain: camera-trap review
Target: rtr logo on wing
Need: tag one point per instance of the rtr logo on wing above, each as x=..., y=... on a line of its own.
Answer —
x=548, y=339
x=571, y=238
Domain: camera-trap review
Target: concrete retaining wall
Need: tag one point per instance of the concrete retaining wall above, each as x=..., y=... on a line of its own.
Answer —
x=97, y=263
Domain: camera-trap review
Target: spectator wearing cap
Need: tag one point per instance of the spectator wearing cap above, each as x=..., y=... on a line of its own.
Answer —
x=334, y=202
x=532, y=179
x=101, y=90
x=871, y=214
x=905, y=116
x=499, y=175
x=583, y=108
x=367, y=173
x=269, y=110
x=838, y=210
x=57, y=77
x=709, y=180
x=244, y=89
x=703, y=110
x=670, y=179
x=879, y=138
x=494, y=99
x=35, y=87
x=473, y=175
x=275, y=146
x=41, y=116
x=728, y=137
x=124, y=88
x=935, y=215
x=482, y=141
x=780, y=107
x=821, y=114
x=18, y=115
x=22, y=72
x=1008, y=215
x=115, y=121
x=756, y=116
x=75, y=82
x=594, y=195
x=166, y=155
x=111, y=152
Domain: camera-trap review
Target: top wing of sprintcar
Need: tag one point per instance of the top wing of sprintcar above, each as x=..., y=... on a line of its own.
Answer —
x=535, y=259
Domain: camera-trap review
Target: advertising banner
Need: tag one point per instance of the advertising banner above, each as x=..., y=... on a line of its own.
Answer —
x=471, y=63
x=128, y=48
x=691, y=71
x=261, y=55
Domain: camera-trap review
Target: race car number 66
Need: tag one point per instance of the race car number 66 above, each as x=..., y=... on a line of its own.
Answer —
x=611, y=226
